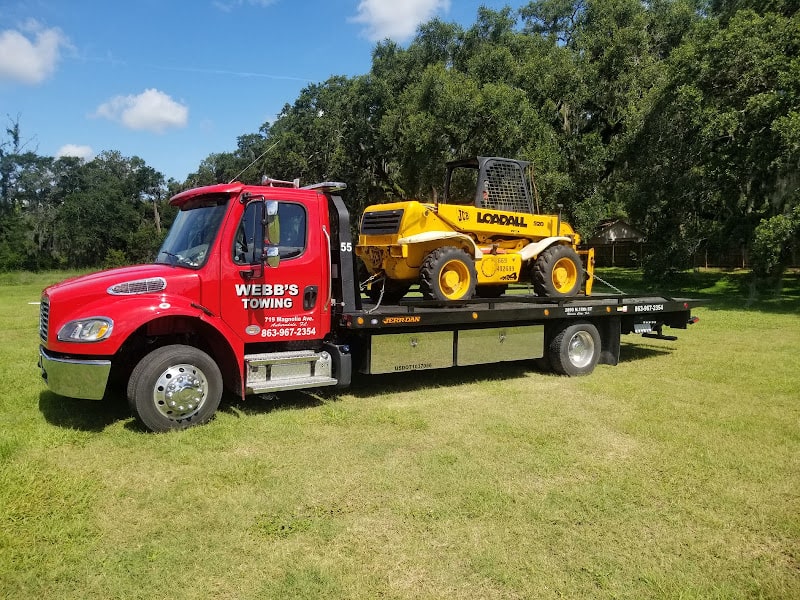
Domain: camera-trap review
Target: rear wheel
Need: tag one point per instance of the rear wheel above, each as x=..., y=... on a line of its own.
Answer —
x=575, y=350
x=448, y=273
x=175, y=387
x=558, y=272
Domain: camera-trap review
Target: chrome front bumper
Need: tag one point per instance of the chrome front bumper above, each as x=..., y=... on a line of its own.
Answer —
x=74, y=378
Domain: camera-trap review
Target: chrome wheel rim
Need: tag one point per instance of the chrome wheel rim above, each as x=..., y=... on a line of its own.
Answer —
x=581, y=349
x=180, y=392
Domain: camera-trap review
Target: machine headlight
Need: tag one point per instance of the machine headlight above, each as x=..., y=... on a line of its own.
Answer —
x=92, y=329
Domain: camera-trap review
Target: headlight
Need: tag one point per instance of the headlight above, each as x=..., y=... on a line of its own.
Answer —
x=92, y=329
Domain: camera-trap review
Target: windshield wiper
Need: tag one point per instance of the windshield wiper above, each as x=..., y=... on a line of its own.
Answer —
x=176, y=258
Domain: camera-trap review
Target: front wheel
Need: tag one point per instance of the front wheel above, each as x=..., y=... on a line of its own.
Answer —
x=448, y=273
x=575, y=350
x=175, y=387
x=558, y=272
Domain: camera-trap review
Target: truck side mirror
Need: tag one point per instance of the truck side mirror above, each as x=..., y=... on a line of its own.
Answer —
x=272, y=231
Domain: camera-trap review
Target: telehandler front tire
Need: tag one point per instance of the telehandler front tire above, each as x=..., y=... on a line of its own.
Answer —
x=448, y=273
x=558, y=272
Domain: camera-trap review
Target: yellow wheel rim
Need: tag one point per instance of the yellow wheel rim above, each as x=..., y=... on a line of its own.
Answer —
x=454, y=279
x=565, y=275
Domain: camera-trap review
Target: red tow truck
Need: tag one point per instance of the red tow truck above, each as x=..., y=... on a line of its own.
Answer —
x=255, y=289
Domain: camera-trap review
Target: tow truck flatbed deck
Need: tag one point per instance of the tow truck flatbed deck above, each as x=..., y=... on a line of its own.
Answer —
x=512, y=309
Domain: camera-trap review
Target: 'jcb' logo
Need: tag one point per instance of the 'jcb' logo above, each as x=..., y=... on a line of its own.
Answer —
x=462, y=215
x=507, y=220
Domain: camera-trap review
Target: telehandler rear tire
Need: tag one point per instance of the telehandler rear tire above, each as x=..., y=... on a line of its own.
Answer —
x=448, y=273
x=558, y=272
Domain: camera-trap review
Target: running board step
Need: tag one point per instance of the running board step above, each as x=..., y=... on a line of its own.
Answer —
x=276, y=371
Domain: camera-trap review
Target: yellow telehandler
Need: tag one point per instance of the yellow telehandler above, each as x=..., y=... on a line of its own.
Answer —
x=483, y=235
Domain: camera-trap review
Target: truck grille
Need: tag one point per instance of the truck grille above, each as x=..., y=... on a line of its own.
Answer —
x=381, y=222
x=44, y=318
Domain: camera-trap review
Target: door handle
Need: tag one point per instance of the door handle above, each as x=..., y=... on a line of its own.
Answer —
x=310, y=297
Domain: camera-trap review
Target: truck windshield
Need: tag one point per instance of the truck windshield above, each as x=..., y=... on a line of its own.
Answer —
x=193, y=232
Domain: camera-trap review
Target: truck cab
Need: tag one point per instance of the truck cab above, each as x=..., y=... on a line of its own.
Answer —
x=239, y=296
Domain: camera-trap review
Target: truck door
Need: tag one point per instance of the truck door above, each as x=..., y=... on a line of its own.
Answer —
x=290, y=301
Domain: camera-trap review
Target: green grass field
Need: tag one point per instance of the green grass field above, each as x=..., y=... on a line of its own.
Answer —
x=675, y=474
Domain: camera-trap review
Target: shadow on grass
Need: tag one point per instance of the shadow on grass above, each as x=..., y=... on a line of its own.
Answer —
x=266, y=403
x=633, y=351
x=721, y=289
x=84, y=415
x=366, y=386
x=96, y=415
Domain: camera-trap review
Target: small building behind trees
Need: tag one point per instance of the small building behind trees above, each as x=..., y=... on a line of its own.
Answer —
x=617, y=243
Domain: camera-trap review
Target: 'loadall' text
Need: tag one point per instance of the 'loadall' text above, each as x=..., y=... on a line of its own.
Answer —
x=507, y=220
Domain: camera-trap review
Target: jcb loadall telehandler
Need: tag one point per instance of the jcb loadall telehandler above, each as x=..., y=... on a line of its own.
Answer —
x=475, y=243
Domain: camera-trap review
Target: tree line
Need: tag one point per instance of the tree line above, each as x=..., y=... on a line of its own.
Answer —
x=682, y=116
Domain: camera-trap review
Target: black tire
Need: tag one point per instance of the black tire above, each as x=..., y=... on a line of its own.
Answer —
x=575, y=350
x=448, y=273
x=394, y=291
x=558, y=272
x=175, y=387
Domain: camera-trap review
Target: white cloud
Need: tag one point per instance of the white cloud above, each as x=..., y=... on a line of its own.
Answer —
x=152, y=110
x=83, y=152
x=396, y=19
x=33, y=59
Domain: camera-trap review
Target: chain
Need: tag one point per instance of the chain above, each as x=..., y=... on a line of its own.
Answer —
x=379, y=276
x=371, y=279
x=604, y=282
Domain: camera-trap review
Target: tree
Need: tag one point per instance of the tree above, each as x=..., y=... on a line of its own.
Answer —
x=774, y=239
x=719, y=150
x=679, y=114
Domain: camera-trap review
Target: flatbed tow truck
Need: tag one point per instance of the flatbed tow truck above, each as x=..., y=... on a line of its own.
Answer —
x=255, y=290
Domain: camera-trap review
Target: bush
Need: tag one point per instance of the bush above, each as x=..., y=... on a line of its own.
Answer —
x=772, y=244
x=115, y=258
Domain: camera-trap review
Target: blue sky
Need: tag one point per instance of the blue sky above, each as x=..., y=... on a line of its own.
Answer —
x=173, y=81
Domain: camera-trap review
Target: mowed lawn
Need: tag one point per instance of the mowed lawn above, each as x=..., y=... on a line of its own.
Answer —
x=675, y=474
